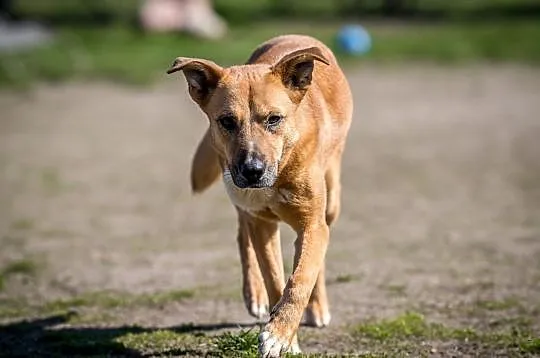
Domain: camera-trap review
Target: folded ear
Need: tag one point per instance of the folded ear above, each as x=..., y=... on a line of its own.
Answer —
x=296, y=68
x=201, y=75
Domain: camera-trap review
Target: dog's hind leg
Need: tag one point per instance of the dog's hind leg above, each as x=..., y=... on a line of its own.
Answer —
x=266, y=243
x=317, y=313
x=333, y=189
x=253, y=288
x=205, y=168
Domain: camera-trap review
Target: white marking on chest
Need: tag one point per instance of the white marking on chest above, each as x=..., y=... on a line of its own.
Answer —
x=249, y=199
x=254, y=199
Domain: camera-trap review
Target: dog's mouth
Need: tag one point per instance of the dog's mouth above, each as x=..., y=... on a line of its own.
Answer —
x=267, y=180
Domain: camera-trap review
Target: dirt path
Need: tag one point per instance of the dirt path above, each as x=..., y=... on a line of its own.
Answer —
x=441, y=207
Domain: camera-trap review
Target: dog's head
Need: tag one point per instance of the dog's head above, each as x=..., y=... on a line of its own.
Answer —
x=252, y=110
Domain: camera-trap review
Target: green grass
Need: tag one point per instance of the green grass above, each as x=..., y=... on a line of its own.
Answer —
x=51, y=180
x=98, y=39
x=94, y=300
x=123, y=54
x=409, y=325
x=115, y=300
x=243, y=344
x=164, y=342
x=25, y=267
x=30, y=339
x=409, y=334
x=345, y=278
x=499, y=305
x=412, y=327
x=21, y=267
x=22, y=224
x=531, y=345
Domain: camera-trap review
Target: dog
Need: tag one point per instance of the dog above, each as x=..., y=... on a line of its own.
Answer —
x=278, y=125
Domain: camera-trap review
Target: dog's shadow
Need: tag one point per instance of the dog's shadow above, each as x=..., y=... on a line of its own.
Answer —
x=47, y=337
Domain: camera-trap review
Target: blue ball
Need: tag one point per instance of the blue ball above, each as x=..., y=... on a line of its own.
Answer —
x=354, y=39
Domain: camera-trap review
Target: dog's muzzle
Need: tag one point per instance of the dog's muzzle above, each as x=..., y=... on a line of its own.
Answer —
x=253, y=172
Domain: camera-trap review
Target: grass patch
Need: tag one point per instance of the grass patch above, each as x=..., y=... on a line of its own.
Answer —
x=409, y=325
x=94, y=300
x=12, y=307
x=52, y=182
x=25, y=267
x=163, y=342
x=20, y=267
x=522, y=323
x=29, y=338
x=531, y=345
x=243, y=344
x=116, y=300
x=122, y=53
x=345, y=278
x=22, y=224
x=407, y=335
x=412, y=328
x=499, y=305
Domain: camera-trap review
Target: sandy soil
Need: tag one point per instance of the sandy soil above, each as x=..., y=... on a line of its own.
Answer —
x=441, y=201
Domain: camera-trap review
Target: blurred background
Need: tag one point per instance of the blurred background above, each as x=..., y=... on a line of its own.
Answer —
x=125, y=39
x=104, y=251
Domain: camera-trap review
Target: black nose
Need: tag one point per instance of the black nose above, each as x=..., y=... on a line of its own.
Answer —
x=252, y=169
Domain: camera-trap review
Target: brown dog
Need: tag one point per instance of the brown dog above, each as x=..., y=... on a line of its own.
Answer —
x=278, y=126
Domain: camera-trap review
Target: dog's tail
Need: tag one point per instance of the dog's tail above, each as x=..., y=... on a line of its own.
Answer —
x=205, y=168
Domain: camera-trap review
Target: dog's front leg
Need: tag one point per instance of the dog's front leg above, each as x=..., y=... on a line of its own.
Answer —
x=280, y=333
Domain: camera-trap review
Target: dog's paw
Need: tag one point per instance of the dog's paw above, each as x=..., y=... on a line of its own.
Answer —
x=258, y=310
x=317, y=316
x=272, y=346
x=294, y=349
x=256, y=301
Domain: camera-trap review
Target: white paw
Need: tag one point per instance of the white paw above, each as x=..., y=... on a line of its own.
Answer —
x=270, y=346
x=256, y=301
x=294, y=349
x=316, y=320
x=258, y=310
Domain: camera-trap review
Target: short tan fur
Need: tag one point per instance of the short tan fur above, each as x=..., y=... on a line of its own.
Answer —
x=277, y=130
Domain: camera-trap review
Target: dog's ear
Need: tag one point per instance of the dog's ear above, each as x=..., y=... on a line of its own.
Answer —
x=295, y=69
x=201, y=75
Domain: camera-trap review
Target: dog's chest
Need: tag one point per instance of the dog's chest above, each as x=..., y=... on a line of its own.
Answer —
x=251, y=200
x=254, y=200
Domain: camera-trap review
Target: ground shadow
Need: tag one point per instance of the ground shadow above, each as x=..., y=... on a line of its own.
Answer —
x=46, y=337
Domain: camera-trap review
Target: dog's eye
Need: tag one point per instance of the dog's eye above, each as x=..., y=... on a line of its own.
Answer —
x=274, y=119
x=228, y=123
